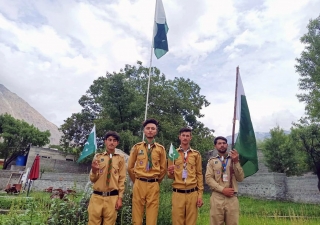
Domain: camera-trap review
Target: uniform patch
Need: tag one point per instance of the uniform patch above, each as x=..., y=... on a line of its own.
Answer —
x=102, y=159
x=141, y=152
x=115, y=171
x=141, y=162
x=218, y=172
x=215, y=162
x=177, y=166
x=192, y=167
x=101, y=171
x=156, y=163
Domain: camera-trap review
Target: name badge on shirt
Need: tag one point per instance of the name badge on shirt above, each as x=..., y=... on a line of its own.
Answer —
x=225, y=178
x=184, y=174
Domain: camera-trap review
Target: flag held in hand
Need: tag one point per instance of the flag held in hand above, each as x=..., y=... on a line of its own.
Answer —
x=173, y=153
x=90, y=146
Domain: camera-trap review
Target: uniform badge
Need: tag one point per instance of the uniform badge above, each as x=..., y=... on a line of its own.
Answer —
x=156, y=163
x=140, y=152
x=101, y=171
x=215, y=162
x=115, y=171
x=141, y=162
x=218, y=172
x=192, y=167
x=102, y=159
x=177, y=166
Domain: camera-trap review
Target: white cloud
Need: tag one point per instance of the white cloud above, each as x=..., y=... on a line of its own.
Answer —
x=51, y=51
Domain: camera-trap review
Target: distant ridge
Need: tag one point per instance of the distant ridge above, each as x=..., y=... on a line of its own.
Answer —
x=18, y=108
x=260, y=136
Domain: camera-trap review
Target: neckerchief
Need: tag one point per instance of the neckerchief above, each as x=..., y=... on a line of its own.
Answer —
x=109, y=168
x=149, y=164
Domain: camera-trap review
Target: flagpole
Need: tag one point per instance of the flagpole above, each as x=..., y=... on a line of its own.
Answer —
x=235, y=108
x=150, y=64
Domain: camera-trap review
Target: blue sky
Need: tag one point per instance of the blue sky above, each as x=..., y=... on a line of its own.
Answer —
x=51, y=51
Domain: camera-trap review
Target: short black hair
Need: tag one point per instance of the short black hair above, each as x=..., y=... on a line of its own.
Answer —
x=151, y=120
x=185, y=129
x=220, y=138
x=112, y=134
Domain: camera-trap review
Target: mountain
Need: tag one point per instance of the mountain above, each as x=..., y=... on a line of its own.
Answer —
x=260, y=136
x=18, y=108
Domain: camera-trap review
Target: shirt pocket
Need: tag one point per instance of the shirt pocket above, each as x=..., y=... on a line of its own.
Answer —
x=217, y=169
x=102, y=167
x=191, y=167
x=156, y=161
x=115, y=171
x=141, y=160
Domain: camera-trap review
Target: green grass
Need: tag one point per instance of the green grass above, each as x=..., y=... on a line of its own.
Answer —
x=253, y=211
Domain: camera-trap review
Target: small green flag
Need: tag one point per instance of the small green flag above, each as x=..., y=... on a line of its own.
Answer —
x=90, y=146
x=246, y=141
x=173, y=153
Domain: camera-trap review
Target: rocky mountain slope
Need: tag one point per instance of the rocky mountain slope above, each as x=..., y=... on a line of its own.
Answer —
x=18, y=108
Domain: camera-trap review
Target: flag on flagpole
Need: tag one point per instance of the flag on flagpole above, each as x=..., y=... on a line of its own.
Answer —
x=173, y=153
x=246, y=141
x=160, y=30
x=90, y=146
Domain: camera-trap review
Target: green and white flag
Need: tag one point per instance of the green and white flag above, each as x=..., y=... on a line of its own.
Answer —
x=173, y=153
x=246, y=141
x=160, y=30
x=90, y=146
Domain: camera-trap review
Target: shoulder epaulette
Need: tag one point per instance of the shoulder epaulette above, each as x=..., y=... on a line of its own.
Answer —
x=156, y=143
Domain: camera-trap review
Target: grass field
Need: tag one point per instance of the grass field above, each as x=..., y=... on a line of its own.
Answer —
x=36, y=210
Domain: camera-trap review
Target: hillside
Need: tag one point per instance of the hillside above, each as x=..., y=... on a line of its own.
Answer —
x=18, y=108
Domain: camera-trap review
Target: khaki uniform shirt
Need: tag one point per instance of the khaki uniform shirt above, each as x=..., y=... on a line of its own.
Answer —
x=139, y=158
x=214, y=174
x=118, y=173
x=194, y=168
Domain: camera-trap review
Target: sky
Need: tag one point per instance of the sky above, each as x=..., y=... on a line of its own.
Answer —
x=52, y=51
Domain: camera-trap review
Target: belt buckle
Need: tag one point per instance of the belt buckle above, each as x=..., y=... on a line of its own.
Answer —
x=105, y=194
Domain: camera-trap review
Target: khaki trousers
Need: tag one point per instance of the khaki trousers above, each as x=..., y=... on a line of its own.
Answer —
x=223, y=210
x=102, y=207
x=184, y=208
x=145, y=194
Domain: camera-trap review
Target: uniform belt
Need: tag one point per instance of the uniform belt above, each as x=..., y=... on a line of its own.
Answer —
x=147, y=180
x=111, y=193
x=184, y=191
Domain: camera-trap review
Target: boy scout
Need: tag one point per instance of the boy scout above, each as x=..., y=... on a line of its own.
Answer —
x=146, y=168
x=108, y=173
x=223, y=172
x=187, y=182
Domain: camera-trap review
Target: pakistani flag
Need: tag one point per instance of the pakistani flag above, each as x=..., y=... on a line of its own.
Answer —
x=173, y=153
x=246, y=140
x=160, y=30
x=90, y=146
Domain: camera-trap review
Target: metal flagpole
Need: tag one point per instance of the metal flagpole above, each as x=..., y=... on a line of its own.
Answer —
x=147, y=100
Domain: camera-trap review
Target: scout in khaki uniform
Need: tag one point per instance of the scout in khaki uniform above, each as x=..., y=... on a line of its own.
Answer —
x=223, y=173
x=186, y=172
x=146, y=168
x=108, y=173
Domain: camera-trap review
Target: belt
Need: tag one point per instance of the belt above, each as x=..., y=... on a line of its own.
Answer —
x=111, y=193
x=184, y=191
x=147, y=180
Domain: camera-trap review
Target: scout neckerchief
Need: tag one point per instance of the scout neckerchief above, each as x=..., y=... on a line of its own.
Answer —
x=224, y=168
x=185, y=161
x=149, y=164
x=109, y=168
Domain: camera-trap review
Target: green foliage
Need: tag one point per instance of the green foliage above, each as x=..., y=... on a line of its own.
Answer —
x=306, y=137
x=117, y=102
x=280, y=154
x=308, y=66
x=18, y=134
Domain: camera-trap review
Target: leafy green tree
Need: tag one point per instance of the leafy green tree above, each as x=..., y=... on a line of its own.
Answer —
x=308, y=66
x=16, y=135
x=279, y=154
x=306, y=137
x=117, y=102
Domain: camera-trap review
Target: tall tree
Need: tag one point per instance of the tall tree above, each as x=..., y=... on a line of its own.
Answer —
x=15, y=135
x=279, y=154
x=308, y=66
x=306, y=137
x=117, y=102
